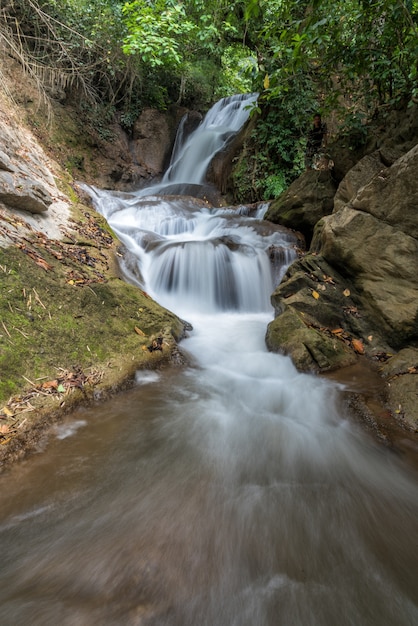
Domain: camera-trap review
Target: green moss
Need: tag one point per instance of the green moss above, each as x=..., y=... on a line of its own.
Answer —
x=47, y=323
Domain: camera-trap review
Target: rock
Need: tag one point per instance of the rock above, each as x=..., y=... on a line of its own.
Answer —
x=26, y=179
x=152, y=140
x=305, y=202
x=23, y=193
x=360, y=273
x=392, y=196
x=375, y=243
x=309, y=349
x=315, y=295
x=5, y=162
x=357, y=177
x=401, y=373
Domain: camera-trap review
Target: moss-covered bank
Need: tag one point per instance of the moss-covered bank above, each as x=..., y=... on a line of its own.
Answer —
x=71, y=330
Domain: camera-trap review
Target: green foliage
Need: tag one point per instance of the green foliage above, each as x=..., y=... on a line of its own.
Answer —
x=117, y=57
x=158, y=34
x=274, y=185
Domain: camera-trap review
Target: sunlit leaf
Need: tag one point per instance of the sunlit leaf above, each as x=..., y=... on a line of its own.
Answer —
x=50, y=384
x=315, y=294
x=358, y=346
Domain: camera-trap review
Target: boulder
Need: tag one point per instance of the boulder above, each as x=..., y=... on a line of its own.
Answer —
x=358, y=284
x=378, y=258
x=152, y=140
x=22, y=193
x=305, y=202
x=309, y=349
x=26, y=179
x=356, y=178
x=320, y=305
x=392, y=195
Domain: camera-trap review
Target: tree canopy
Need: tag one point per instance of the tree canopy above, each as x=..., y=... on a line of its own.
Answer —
x=350, y=57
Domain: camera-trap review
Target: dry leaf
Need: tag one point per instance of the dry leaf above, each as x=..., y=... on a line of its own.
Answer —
x=4, y=429
x=346, y=292
x=6, y=411
x=370, y=338
x=337, y=331
x=50, y=384
x=315, y=294
x=139, y=331
x=42, y=263
x=358, y=346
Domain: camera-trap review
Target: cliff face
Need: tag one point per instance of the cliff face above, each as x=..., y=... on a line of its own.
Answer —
x=355, y=293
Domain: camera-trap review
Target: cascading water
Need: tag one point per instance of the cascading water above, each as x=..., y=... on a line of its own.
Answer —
x=192, y=157
x=233, y=492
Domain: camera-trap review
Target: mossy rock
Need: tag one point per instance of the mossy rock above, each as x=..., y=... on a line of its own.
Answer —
x=309, y=349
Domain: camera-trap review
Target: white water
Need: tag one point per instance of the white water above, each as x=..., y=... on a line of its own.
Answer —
x=233, y=492
x=191, y=157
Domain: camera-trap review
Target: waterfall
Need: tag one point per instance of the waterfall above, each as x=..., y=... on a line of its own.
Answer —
x=191, y=157
x=231, y=492
x=190, y=257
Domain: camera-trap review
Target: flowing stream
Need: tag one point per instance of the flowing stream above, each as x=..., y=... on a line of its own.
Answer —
x=231, y=492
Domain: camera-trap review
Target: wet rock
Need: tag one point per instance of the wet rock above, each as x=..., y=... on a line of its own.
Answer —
x=320, y=305
x=310, y=350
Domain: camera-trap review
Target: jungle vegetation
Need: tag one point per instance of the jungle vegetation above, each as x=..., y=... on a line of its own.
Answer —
x=349, y=58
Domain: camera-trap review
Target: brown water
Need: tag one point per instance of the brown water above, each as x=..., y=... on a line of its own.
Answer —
x=211, y=496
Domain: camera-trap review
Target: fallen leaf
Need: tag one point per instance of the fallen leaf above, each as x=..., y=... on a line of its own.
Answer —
x=370, y=338
x=315, y=294
x=4, y=429
x=346, y=293
x=50, y=384
x=6, y=411
x=42, y=263
x=337, y=331
x=358, y=346
x=139, y=331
